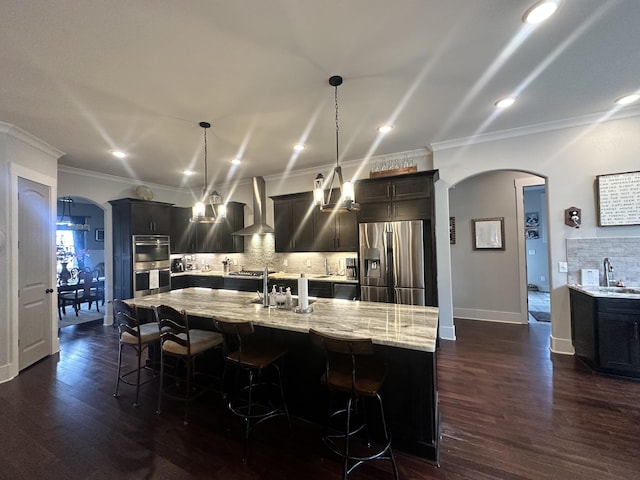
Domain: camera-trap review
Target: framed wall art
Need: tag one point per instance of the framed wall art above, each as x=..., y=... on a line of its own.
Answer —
x=488, y=233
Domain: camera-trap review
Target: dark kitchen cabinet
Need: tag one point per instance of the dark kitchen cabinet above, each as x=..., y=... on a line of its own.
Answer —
x=335, y=231
x=606, y=333
x=402, y=197
x=206, y=281
x=293, y=222
x=301, y=227
x=133, y=217
x=217, y=237
x=619, y=346
x=179, y=282
x=345, y=291
x=243, y=284
x=187, y=237
x=183, y=235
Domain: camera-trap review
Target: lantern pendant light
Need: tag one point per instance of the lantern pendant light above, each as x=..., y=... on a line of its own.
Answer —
x=322, y=197
x=199, y=209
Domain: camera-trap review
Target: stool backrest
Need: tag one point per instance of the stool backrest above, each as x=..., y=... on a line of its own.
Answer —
x=173, y=325
x=338, y=351
x=234, y=335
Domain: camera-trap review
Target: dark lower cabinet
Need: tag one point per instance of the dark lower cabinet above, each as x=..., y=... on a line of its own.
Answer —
x=606, y=333
x=619, y=346
x=179, y=282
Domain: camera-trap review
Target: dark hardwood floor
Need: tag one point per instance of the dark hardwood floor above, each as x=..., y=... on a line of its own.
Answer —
x=509, y=410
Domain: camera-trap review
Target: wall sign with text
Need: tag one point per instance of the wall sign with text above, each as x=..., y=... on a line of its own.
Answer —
x=618, y=199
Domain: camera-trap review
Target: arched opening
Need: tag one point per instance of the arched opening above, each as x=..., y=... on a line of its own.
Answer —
x=492, y=284
x=79, y=248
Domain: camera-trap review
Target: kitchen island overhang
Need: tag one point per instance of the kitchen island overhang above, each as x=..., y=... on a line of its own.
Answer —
x=404, y=335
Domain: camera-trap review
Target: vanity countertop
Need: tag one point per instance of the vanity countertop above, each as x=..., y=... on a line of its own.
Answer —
x=631, y=292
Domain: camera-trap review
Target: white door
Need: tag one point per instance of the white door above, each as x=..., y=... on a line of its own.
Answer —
x=34, y=267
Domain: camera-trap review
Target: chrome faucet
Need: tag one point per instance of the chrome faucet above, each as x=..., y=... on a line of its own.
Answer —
x=326, y=266
x=608, y=271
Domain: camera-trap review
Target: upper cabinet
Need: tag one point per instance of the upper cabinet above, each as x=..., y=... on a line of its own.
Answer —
x=293, y=222
x=187, y=237
x=402, y=197
x=301, y=227
x=142, y=217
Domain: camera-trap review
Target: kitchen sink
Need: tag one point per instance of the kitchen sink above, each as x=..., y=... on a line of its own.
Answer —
x=294, y=301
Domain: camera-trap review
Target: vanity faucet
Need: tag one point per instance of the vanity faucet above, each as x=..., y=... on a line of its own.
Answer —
x=608, y=271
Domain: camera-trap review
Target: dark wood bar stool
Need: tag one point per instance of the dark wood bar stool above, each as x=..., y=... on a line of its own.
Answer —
x=135, y=335
x=262, y=396
x=186, y=345
x=351, y=368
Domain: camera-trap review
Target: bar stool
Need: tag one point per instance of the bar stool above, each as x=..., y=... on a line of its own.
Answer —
x=135, y=335
x=253, y=401
x=351, y=368
x=179, y=341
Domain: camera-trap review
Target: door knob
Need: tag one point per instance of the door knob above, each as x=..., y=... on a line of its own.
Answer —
x=49, y=290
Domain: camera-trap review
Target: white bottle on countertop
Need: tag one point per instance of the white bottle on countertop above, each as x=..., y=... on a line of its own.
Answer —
x=288, y=300
x=272, y=297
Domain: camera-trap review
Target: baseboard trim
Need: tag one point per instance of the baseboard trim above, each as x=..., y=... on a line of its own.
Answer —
x=562, y=346
x=447, y=333
x=488, y=315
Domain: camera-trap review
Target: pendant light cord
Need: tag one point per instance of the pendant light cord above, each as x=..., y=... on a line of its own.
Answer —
x=337, y=127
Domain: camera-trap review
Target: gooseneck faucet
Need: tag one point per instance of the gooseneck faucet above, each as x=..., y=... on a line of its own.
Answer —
x=265, y=288
x=608, y=270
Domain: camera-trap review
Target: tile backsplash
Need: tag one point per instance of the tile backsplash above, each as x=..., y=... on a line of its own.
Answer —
x=624, y=253
x=259, y=252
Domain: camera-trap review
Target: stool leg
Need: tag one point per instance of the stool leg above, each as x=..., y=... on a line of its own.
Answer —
x=247, y=421
x=139, y=354
x=284, y=404
x=159, y=409
x=346, y=439
x=386, y=438
x=119, y=367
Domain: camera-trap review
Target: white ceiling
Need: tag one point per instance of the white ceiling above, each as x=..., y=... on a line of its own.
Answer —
x=90, y=76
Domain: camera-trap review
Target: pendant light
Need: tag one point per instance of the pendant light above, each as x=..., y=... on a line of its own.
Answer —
x=323, y=198
x=199, y=209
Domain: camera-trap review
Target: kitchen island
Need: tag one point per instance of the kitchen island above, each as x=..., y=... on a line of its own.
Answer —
x=404, y=335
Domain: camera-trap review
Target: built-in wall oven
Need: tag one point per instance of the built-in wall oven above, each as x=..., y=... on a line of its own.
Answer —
x=151, y=264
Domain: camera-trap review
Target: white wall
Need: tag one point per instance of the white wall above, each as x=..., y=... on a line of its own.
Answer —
x=570, y=158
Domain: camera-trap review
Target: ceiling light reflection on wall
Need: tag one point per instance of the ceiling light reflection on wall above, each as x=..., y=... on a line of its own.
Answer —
x=236, y=161
x=505, y=102
x=540, y=12
x=628, y=99
x=385, y=128
x=188, y=173
x=118, y=153
x=298, y=147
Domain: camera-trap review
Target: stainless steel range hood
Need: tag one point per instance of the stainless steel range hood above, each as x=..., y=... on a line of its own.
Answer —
x=259, y=226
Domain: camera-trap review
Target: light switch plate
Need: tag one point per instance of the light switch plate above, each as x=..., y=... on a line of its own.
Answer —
x=309, y=263
x=563, y=267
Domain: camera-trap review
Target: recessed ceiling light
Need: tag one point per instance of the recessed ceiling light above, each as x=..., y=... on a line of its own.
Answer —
x=505, y=102
x=540, y=12
x=236, y=161
x=188, y=173
x=298, y=147
x=385, y=128
x=118, y=153
x=628, y=99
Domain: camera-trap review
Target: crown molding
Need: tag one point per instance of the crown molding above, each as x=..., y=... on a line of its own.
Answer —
x=536, y=128
x=29, y=139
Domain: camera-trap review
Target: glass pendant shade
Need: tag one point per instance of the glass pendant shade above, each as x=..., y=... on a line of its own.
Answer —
x=199, y=209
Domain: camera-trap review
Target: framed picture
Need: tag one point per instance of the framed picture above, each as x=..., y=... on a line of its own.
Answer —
x=531, y=219
x=99, y=234
x=531, y=233
x=488, y=233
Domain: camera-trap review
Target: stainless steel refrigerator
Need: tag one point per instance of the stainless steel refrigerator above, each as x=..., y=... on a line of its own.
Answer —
x=392, y=262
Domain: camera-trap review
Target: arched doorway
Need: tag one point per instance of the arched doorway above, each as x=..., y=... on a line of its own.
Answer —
x=79, y=247
x=491, y=284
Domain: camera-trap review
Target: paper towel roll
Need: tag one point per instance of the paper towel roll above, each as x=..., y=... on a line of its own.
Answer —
x=303, y=292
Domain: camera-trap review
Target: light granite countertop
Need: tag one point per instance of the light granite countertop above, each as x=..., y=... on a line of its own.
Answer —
x=608, y=292
x=404, y=326
x=272, y=276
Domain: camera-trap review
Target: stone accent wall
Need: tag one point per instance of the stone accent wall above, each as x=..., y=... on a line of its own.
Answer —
x=624, y=253
x=259, y=252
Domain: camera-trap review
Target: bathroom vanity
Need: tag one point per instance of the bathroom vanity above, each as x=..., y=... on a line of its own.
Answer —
x=605, y=328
